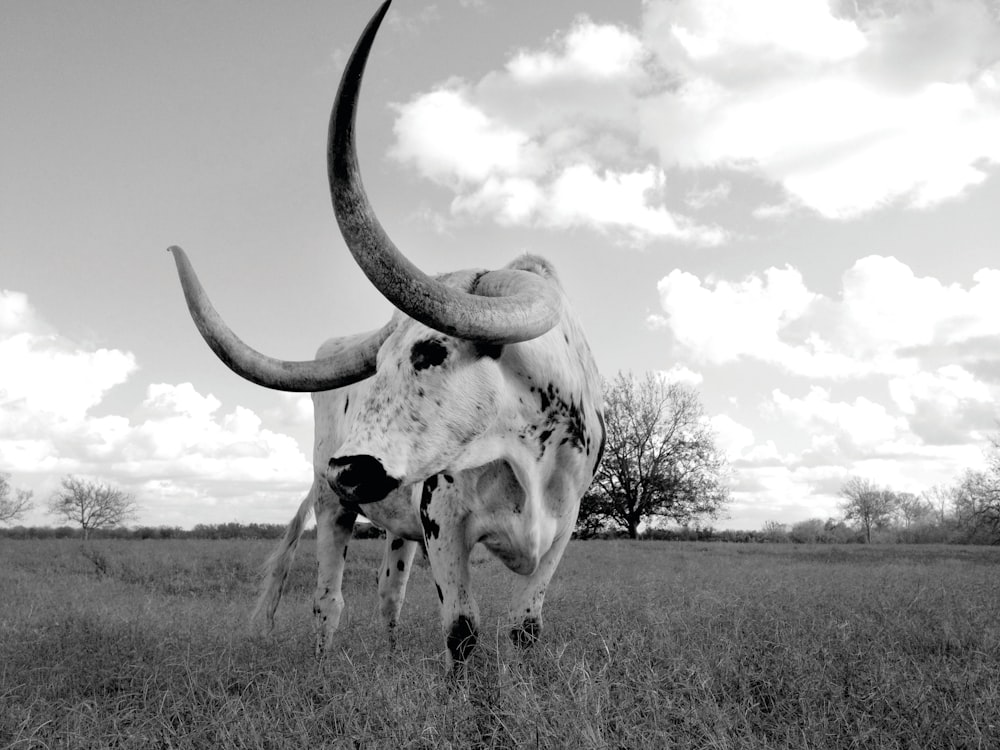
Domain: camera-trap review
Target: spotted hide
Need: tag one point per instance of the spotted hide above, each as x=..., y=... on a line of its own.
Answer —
x=493, y=447
x=473, y=416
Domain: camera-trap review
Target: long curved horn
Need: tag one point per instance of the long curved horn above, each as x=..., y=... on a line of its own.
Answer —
x=532, y=307
x=354, y=361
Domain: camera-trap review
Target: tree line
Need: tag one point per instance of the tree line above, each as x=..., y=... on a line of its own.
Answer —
x=661, y=466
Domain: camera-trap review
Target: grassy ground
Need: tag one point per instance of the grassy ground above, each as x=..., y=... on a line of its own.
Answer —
x=647, y=645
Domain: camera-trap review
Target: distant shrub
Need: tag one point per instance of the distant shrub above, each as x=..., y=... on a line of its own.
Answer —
x=810, y=531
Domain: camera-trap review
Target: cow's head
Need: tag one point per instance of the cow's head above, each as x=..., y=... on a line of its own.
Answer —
x=431, y=399
x=435, y=374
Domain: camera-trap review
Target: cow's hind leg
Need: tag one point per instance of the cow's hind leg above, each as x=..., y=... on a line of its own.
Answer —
x=443, y=522
x=392, y=577
x=529, y=595
x=334, y=526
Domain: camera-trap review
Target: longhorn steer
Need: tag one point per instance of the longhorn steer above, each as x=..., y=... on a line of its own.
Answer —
x=473, y=416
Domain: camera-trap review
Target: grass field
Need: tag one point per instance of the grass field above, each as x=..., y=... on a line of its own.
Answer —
x=647, y=645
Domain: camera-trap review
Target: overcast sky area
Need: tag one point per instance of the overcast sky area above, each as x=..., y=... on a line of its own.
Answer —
x=790, y=204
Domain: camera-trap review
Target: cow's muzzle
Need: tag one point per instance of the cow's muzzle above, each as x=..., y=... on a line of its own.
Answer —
x=360, y=479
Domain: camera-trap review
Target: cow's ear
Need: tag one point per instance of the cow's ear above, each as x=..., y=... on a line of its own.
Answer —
x=493, y=351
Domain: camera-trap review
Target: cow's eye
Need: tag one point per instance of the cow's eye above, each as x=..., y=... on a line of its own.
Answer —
x=428, y=353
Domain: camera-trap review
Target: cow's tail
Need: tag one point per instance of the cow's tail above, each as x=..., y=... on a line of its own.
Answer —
x=280, y=562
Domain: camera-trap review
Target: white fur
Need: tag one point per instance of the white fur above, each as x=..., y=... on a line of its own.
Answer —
x=509, y=444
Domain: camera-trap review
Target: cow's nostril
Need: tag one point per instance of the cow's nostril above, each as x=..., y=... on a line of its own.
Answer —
x=361, y=478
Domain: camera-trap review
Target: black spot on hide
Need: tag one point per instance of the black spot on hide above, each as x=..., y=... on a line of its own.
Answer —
x=493, y=351
x=345, y=520
x=461, y=639
x=604, y=437
x=428, y=353
x=396, y=544
x=527, y=633
x=347, y=402
x=351, y=506
x=558, y=413
x=440, y=595
x=400, y=566
x=431, y=527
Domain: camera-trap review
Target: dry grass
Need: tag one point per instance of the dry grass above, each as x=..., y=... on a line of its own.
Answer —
x=658, y=645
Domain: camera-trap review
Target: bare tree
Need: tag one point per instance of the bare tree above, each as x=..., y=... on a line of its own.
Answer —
x=92, y=505
x=868, y=504
x=810, y=531
x=660, y=458
x=912, y=509
x=14, y=503
x=940, y=498
x=977, y=504
x=774, y=531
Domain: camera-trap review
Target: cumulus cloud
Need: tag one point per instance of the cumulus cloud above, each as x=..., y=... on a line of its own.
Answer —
x=46, y=374
x=882, y=321
x=830, y=439
x=851, y=428
x=719, y=321
x=679, y=373
x=847, y=114
x=549, y=141
x=177, y=450
x=945, y=405
x=908, y=373
x=732, y=438
x=844, y=112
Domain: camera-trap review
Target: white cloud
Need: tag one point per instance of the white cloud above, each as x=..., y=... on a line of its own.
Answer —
x=949, y=387
x=731, y=437
x=44, y=373
x=787, y=495
x=909, y=371
x=946, y=405
x=876, y=325
x=846, y=114
x=803, y=29
x=678, y=373
x=451, y=140
x=549, y=141
x=722, y=321
x=885, y=305
x=176, y=444
x=859, y=426
x=837, y=440
x=588, y=51
x=16, y=315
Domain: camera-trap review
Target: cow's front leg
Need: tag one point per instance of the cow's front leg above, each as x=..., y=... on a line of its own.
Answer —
x=393, y=575
x=334, y=526
x=529, y=594
x=443, y=519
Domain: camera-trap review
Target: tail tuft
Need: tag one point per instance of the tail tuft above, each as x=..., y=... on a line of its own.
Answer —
x=279, y=563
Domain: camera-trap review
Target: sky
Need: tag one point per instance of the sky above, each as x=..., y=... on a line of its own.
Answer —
x=788, y=204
